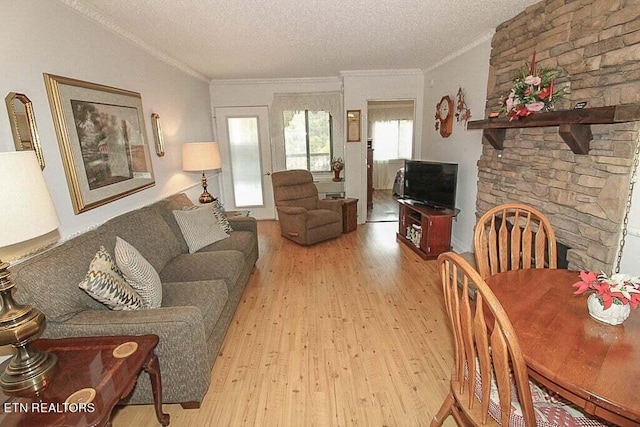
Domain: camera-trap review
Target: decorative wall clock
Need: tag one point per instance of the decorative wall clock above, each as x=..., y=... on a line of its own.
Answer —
x=444, y=116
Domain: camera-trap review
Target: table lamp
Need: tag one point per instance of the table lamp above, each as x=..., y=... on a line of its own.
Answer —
x=201, y=156
x=26, y=212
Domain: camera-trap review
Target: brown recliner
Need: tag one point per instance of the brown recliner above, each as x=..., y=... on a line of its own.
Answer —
x=303, y=217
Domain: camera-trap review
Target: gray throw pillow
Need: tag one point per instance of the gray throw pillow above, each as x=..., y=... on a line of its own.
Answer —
x=199, y=227
x=104, y=282
x=139, y=274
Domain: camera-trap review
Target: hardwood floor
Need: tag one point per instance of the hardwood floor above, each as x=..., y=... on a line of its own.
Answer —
x=344, y=333
x=385, y=207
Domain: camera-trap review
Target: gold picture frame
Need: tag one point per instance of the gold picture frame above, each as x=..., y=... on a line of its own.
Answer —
x=102, y=138
x=353, y=125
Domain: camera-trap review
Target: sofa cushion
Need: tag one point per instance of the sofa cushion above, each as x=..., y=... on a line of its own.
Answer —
x=145, y=230
x=210, y=296
x=320, y=217
x=165, y=208
x=224, y=265
x=139, y=274
x=105, y=283
x=60, y=268
x=243, y=241
x=199, y=226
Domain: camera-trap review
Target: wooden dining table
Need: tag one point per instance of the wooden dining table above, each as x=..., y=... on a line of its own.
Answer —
x=594, y=365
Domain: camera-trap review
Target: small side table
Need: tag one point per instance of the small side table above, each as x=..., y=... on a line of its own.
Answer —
x=349, y=215
x=101, y=369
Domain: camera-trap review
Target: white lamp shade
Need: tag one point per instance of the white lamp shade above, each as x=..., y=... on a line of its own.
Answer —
x=200, y=156
x=26, y=209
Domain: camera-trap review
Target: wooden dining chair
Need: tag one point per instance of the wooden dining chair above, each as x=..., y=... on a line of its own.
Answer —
x=513, y=236
x=490, y=382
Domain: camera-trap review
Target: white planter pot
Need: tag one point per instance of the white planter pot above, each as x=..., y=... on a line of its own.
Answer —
x=614, y=315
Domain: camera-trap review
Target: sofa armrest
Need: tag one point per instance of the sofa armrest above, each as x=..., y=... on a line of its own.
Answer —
x=334, y=205
x=243, y=223
x=182, y=351
x=181, y=329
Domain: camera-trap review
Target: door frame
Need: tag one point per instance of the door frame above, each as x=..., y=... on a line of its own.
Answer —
x=261, y=113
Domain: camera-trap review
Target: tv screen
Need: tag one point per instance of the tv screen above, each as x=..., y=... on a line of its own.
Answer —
x=431, y=183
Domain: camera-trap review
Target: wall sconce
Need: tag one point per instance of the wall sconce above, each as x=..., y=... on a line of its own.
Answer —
x=157, y=134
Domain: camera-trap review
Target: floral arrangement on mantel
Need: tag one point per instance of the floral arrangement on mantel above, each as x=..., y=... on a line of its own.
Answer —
x=611, y=297
x=533, y=91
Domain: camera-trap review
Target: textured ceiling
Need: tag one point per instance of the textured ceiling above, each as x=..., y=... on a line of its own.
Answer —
x=235, y=39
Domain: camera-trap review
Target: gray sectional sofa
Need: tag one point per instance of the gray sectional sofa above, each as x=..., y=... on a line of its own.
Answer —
x=200, y=293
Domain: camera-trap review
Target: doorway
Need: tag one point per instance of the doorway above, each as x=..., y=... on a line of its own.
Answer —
x=390, y=129
x=243, y=134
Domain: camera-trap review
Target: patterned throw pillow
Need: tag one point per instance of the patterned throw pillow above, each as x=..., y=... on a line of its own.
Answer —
x=104, y=282
x=199, y=227
x=218, y=211
x=139, y=274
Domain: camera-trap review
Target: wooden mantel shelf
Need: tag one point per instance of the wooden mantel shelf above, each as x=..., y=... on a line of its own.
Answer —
x=574, y=126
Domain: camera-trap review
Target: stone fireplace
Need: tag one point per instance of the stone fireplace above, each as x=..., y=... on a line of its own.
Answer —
x=597, y=45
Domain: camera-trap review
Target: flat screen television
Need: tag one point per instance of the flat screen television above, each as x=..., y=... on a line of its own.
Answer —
x=433, y=184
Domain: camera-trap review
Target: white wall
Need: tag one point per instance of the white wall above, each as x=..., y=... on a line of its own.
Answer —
x=258, y=92
x=361, y=87
x=470, y=71
x=630, y=262
x=47, y=37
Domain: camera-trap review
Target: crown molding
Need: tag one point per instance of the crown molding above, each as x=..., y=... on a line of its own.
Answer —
x=461, y=51
x=292, y=80
x=94, y=14
x=399, y=72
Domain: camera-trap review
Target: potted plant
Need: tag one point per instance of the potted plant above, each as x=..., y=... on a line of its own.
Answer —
x=611, y=298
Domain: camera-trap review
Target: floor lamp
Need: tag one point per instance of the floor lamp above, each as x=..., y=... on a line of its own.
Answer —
x=201, y=156
x=26, y=212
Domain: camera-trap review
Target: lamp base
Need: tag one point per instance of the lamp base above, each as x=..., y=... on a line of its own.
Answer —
x=29, y=371
x=206, y=197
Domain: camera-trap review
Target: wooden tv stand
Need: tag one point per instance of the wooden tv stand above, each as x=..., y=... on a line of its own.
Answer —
x=431, y=228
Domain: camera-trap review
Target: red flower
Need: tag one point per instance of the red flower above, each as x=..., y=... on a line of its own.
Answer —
x=544, y=93
x=617, y=289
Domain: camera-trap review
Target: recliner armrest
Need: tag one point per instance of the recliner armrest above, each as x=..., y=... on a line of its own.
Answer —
x=334, y=205
x=291, y=210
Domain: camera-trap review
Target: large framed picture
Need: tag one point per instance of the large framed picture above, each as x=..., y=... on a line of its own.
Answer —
x=102, y=139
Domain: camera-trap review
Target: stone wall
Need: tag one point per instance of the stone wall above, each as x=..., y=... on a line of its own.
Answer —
x=597, y=45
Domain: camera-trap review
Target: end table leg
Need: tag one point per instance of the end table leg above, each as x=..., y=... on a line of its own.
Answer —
x=153, y=368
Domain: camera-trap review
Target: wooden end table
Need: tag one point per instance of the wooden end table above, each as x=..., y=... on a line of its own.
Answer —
x=349, y=215
x=101, y=364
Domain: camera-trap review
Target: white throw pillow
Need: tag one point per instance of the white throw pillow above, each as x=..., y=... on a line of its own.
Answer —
x=199, y=227
x=139, y=274
x=104, y=282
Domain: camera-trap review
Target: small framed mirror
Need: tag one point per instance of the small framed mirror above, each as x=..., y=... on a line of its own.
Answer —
x=157, y=134
x=23, y=124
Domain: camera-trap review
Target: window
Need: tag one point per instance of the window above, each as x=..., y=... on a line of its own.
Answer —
x=308, y=139
x=392, y=139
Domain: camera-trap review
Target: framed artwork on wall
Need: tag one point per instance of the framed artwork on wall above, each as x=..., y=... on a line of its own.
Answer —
x=102, y=140
x=353, y=125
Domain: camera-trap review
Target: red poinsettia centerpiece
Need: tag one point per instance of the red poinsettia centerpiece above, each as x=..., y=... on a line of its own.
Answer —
x=533, y=90
x=619, y=289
